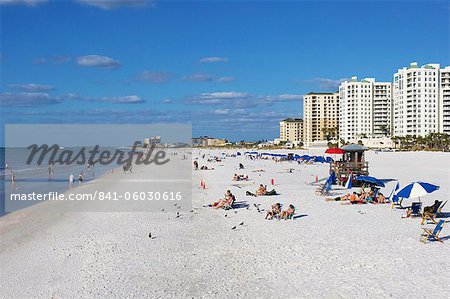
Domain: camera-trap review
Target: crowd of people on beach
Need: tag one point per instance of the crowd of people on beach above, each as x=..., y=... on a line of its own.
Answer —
x=366, y=194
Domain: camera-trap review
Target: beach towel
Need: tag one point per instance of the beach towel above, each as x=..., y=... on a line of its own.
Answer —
x=271, y=192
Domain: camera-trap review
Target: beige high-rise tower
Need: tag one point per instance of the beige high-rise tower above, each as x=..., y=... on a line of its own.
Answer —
x=320, y=113
x=291, y=129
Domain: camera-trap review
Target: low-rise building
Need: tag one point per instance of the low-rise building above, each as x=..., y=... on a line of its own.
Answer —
x=291, y=129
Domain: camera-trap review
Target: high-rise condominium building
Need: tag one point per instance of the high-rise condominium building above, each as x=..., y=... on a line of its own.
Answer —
x=364, y=108
x=320, y=113
x=382, y=116
x=291, y=129
x=444, y=107
x=417, y=100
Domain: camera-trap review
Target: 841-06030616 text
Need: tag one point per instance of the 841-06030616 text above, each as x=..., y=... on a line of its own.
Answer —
x=99, y=195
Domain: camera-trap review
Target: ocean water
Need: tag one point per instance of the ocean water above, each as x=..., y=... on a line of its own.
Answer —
x=36, y=178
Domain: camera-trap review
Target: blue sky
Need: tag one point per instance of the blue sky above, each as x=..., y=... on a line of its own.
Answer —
x=233, y=68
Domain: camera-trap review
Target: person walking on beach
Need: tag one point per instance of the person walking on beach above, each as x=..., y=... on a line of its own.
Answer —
x=13, y=177
x=71, y=179
x=50, y=171
x=80, y=178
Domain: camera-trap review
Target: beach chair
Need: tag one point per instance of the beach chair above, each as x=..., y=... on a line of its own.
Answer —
x=327, y=190
x=439, y=210
x=416, y=208
x=321, y=189
x=431, y=215
x=229, y=206
x=429, y=235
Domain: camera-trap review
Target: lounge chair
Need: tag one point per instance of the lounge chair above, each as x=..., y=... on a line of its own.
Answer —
x=416, y=208
x=439, y=210
x=429, y=235
x=431, y=214
x=229, y=206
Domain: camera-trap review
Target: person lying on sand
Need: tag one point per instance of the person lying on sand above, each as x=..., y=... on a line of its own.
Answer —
x=339, y=198
x=223, y=202
x=381, y=198
x=369, y=197
x=204, y=167
x=353, y=199
x=261, y=190
x=275, y=210
x=288, y=213
x=240, y=177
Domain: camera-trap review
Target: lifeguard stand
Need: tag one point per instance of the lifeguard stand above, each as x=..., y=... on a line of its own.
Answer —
x=352, y=162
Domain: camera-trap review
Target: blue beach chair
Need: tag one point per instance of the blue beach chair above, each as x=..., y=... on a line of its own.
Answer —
x=429, y=235
x=416, y=208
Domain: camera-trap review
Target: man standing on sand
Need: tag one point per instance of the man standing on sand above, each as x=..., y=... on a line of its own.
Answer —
x=71, y=179
x=50, y=171
x=80, y=178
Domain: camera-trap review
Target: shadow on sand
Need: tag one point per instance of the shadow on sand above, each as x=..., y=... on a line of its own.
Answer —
x=299, y=216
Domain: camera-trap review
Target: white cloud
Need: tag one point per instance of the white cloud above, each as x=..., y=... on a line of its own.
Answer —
x=98, y=61
x=220, y=111
x=32, y=87
x=213, y=59
x=112, y=4
x=284, y=98
x=328, y=84
x=35, y=99
x=226, y=99
x=131, y=99
x=153, y=77
x=167, y=101
x=198, y=78
x=225, y=79
x=28, y=99
x=223, y=98
x=22, y=2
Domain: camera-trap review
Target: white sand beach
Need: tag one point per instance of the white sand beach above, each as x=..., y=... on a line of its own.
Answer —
x=328, y=250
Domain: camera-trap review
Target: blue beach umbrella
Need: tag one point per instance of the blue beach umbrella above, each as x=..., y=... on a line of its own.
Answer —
x=349, y=183
x=416, y=189
x=370, y=180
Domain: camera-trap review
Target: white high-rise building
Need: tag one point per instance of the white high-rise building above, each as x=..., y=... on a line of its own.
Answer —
x=444, y=102
x=417, y=100
x=365, y=109
x=382, y=116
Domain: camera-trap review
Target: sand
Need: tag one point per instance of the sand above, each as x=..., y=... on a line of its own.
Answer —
x=328, y=251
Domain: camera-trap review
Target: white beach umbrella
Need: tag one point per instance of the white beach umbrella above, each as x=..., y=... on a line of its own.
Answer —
x=416, y=189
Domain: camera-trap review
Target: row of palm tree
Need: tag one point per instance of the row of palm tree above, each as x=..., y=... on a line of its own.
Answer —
x=433, y=142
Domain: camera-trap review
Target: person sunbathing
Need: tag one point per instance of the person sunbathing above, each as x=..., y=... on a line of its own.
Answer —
x=339, y=198
x=381, y=198
x=433, y=208
x=370, y=196
x=354, y=198
x=236, y=177
x=224, y=201
x=243, y=177
x=274, y=211
x=227, y=203
x=261, y=190
x=288, y=213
